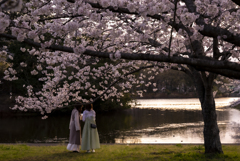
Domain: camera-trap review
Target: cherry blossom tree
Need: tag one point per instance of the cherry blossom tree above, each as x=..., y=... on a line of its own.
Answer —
x=198, y=37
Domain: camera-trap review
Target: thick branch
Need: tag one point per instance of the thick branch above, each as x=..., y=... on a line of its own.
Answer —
x=224, y=72
x=202, y=63
x=212, y=31
x=38, y=45
x=3, y=1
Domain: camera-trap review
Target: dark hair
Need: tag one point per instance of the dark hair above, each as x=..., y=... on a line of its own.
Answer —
x=79, y=107
x=88, y=107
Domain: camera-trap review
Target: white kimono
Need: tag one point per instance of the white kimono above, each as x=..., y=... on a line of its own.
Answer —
x=75, y=132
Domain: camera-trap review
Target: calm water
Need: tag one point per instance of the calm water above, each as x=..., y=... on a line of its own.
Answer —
x=151, y=121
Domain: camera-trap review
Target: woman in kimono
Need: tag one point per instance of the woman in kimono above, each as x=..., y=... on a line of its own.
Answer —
x=75, y=130
x=90, y=138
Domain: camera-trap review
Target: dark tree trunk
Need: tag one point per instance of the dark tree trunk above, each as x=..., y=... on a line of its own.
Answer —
x=212, y=141
x=204, y=85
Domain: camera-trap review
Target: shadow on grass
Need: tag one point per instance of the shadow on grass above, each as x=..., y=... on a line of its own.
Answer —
x=162, y=153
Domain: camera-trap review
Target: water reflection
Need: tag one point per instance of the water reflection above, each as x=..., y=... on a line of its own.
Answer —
x=33, y=129
x=176, y=104
x=182, y=122
x=136, y=125
x=168, y=126
x=173, y=127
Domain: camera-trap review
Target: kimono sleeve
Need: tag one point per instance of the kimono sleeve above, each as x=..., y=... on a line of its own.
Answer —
x=70, y=122
x=84, y=116
x=76, y=121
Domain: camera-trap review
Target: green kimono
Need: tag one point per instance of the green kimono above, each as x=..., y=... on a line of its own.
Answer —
x=90, y=138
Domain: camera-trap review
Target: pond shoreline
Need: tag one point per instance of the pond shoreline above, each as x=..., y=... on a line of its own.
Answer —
x=7, y=103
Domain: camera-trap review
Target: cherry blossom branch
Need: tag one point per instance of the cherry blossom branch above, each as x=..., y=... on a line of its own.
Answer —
x=38, y=45
x=208, y=29
x=113, y=83
x=206, y=63
x=151, y=41
x=211, y=31
x=121, y=78
x=131, y=72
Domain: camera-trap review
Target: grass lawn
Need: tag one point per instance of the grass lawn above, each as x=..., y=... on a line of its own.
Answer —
x=20, y=152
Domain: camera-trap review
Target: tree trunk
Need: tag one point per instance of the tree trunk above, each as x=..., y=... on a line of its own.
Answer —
x=212, y=141
x=204, y=84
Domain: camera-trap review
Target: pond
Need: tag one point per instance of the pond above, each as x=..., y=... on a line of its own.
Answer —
x=151, y=121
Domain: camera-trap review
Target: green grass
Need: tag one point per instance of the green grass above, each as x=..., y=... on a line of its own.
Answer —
x=178, y=152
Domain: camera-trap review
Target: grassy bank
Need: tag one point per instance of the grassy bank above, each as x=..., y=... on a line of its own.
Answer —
x=177, y=152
